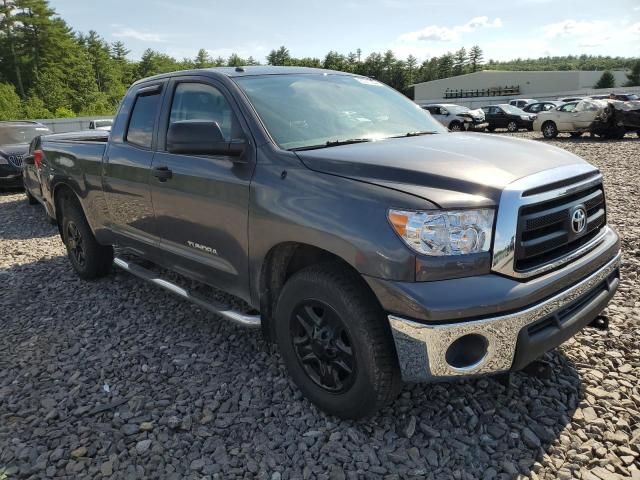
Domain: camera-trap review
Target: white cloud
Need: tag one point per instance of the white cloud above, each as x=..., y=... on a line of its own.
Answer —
x=126, y=32
x=634, y=29
x=439, y=33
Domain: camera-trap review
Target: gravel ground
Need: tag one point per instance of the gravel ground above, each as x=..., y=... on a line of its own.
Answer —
x=116, y=378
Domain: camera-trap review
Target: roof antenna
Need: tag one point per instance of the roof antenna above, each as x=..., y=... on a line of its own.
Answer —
x=239, y=69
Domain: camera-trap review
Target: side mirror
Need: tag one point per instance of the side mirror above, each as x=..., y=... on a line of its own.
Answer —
x=201, y=137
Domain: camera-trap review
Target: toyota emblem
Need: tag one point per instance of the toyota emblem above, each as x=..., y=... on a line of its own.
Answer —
x=578, y=219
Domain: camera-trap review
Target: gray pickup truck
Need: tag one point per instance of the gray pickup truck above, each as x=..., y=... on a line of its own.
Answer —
x=373, y=246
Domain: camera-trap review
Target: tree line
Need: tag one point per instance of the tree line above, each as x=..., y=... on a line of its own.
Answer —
x=48, y=70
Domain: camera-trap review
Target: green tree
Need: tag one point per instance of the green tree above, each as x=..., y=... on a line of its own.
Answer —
x=633, y=77
x=281, y=56
x=460, y=60
x=235, y=60
x=33, y=108
x=8, y=26
x=10, y=104
x=411, y=68
x=475, y=58
x=445, y=65
x=203, y=59
x=607, y=80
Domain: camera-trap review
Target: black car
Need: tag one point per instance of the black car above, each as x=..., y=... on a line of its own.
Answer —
x=507, y=116
x=541, y=107
x=14, y=145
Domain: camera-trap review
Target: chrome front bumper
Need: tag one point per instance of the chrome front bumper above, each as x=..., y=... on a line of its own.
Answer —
x=422, y=348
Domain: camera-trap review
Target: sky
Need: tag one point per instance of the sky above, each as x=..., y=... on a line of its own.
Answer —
x=424, y=28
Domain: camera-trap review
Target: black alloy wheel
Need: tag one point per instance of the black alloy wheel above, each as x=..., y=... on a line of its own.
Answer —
x=322, y=346
x=75, y=244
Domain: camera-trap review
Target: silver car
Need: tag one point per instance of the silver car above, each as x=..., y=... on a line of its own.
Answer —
x=457, y=118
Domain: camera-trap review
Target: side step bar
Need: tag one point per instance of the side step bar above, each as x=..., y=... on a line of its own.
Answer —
x=242, y=319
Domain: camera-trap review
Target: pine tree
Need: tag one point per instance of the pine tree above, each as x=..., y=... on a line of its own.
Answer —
x=282, y=56
x=475, y=58
x=203, y=59
x=10, y=104
x=607, y=80
x=633, y=77
x=460, y=61
x=411, y=67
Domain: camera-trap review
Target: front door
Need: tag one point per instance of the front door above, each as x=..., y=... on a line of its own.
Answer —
x=201, y=210
x=565, y=117
x=126, y=170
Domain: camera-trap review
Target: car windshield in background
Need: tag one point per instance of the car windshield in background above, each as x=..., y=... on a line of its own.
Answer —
x=103, y=123
x=10, y=134
x=512, y=110
x=316, y=110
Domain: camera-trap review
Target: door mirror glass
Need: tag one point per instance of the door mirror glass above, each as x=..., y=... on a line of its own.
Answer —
x=200, y=137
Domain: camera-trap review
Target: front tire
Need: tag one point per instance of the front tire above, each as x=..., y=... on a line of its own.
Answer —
x=549, y=130
x=456, y=127
x=335, y=341
x=88, y=258
x=512, y=126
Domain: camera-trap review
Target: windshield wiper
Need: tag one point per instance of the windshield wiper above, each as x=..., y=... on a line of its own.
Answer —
x=414, y=134
x=332, y=143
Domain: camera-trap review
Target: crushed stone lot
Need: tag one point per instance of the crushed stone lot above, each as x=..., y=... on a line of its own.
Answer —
x=119, y=379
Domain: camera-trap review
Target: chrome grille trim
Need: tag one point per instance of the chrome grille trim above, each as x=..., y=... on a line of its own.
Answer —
x=15, y=159
x=513, y=198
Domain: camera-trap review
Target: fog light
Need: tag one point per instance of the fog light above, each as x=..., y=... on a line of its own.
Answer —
x=467, y=351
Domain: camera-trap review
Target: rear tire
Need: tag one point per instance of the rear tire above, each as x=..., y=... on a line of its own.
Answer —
x=549, y=130
x=88, y=258
x=336, y=342
x=512, y=126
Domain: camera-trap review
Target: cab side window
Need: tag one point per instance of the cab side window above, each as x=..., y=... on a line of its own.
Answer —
x=199, y=101
x=142, y=121
x=568, y=108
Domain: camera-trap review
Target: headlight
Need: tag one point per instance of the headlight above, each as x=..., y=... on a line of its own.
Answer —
x=444, y=232
x=3, y=161
x=524, y=117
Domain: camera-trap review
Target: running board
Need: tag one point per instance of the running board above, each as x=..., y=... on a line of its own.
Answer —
x=239, y=318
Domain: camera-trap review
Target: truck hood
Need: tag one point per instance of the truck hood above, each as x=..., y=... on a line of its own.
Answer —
x=448, y=169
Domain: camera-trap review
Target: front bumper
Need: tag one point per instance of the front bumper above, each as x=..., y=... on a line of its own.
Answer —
x=10, y=177
x=476, y=126
x=513, y=340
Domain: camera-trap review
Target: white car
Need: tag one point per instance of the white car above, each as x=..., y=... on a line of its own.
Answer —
x=522, y=102
x=574, y=118
x=457, y=118
x=102, y=124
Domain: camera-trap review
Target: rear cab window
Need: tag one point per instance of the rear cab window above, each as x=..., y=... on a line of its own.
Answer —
x=143, y=118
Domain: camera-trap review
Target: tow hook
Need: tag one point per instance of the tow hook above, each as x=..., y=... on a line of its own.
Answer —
x=601, y=322
x=539, y=369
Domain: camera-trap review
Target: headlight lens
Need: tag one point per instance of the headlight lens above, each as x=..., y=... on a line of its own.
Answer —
x=444, y=232
x=3, y=161
x=524, y=117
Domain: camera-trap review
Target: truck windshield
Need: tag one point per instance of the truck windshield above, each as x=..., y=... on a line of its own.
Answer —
x=316, y=110
x=14, y=134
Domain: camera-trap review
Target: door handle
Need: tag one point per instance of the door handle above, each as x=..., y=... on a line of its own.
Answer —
x=162, y=173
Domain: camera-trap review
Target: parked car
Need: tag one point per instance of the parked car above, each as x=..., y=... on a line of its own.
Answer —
x=375, y=251
x=570, y=99
x=15, y=137
x=104, y=124
x=457, y=117
x=574, y=118
x=522, y=102
x=507, y=116
x=624, y=97
x=541, y=107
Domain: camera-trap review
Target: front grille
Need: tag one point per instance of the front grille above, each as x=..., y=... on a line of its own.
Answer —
x=544, y=229
x=15, y=159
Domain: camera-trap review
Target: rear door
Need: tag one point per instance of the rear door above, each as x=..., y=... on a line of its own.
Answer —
x=126, y=169
x=201, y=211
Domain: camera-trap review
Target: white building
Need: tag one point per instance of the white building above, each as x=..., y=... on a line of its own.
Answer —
x=523, y=84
